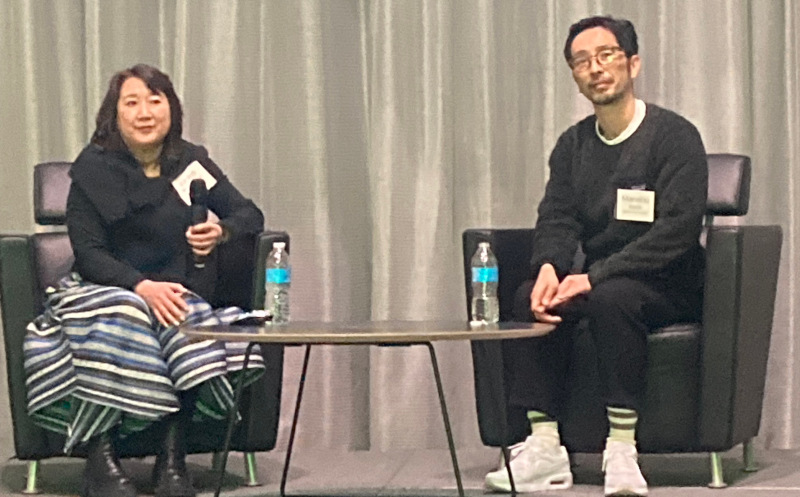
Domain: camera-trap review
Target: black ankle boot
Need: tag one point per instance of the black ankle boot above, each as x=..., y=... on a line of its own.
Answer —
x=170, y=476
x=103, y=475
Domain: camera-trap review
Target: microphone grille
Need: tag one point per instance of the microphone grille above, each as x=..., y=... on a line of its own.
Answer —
x=197, y=191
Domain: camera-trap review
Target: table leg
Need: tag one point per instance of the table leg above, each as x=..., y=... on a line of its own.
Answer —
x=237, y=395
x=504, y=420
x=507, y=459
x=446, y=418
x=490, y=355
x=294, y=420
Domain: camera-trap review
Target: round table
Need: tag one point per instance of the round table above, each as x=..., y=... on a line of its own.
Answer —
x=310, y=333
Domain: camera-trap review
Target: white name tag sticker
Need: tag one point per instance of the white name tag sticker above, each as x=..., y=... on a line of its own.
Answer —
x=636, y=205
x=193, y=171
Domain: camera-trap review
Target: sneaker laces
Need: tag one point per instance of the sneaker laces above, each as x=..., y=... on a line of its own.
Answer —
x=623, y=455
x=513, y=452
x=621, y=466
x=536, y=444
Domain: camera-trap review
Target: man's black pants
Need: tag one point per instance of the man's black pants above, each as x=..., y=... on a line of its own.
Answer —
x=618, y=313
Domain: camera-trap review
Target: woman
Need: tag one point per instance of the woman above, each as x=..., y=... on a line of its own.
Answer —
x=106, y=358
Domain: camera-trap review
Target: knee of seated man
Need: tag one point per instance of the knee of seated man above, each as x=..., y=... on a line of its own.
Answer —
x=616, y=294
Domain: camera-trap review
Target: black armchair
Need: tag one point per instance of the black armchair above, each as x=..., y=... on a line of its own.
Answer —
x=705, y=381
x=30, y=263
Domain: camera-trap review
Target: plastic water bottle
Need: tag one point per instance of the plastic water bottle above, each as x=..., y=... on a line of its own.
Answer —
x=277, y=282
x=485, y=306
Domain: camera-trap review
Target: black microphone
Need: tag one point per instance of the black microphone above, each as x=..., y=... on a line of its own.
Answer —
x=198, y=194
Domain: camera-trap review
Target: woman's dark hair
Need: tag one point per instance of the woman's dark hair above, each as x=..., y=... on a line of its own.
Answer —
x=107, y=135
x=621, y=28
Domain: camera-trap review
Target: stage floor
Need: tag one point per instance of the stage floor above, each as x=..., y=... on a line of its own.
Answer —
x=429, y=473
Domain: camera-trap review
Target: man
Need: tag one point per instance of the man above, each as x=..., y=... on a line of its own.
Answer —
x=628, y=185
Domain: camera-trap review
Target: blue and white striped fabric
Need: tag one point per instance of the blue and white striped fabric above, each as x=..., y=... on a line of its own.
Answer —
x=97, y=358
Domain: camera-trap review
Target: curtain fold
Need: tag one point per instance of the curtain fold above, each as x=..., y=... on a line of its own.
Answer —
x=375, y=131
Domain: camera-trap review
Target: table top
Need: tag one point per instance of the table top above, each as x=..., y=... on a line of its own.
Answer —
x=369, y=332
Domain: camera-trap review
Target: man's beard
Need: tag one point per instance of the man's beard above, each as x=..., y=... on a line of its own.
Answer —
x=607, y=99
x=603, y=99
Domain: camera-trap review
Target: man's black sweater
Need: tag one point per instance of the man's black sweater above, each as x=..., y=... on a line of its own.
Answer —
x=665, y=155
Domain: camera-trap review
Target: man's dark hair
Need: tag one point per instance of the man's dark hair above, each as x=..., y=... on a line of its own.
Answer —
x=107, y=135
x=621, y=28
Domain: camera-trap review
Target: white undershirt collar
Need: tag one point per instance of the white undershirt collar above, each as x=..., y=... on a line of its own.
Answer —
x=638, y=117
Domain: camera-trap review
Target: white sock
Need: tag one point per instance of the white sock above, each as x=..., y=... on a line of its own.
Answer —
x=543, y=425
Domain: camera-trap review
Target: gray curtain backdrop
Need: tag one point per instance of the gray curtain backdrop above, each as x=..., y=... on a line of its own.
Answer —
x=375, y=131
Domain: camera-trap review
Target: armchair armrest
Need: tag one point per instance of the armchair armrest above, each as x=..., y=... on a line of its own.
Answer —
x=513, y=249
x=740, y=286
x=261, y=403
x=240, y=265
x=19, y=299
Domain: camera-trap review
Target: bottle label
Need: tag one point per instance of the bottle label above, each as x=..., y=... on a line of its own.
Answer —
x=279, y=275
x=484, y=275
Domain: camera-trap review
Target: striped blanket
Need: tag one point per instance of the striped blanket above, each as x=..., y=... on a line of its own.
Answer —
x=97, y=358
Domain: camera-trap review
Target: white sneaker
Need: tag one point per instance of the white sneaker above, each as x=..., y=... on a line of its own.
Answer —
x=539, y=464
x=623, y=476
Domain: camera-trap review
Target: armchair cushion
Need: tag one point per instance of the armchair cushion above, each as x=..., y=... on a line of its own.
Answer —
x=728, y=185
x=54, y=258
x=51, y=184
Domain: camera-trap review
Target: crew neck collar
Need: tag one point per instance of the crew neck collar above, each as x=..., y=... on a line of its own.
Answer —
x=638, y=116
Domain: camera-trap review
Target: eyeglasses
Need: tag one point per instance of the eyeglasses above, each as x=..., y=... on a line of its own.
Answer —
x=603, y=57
